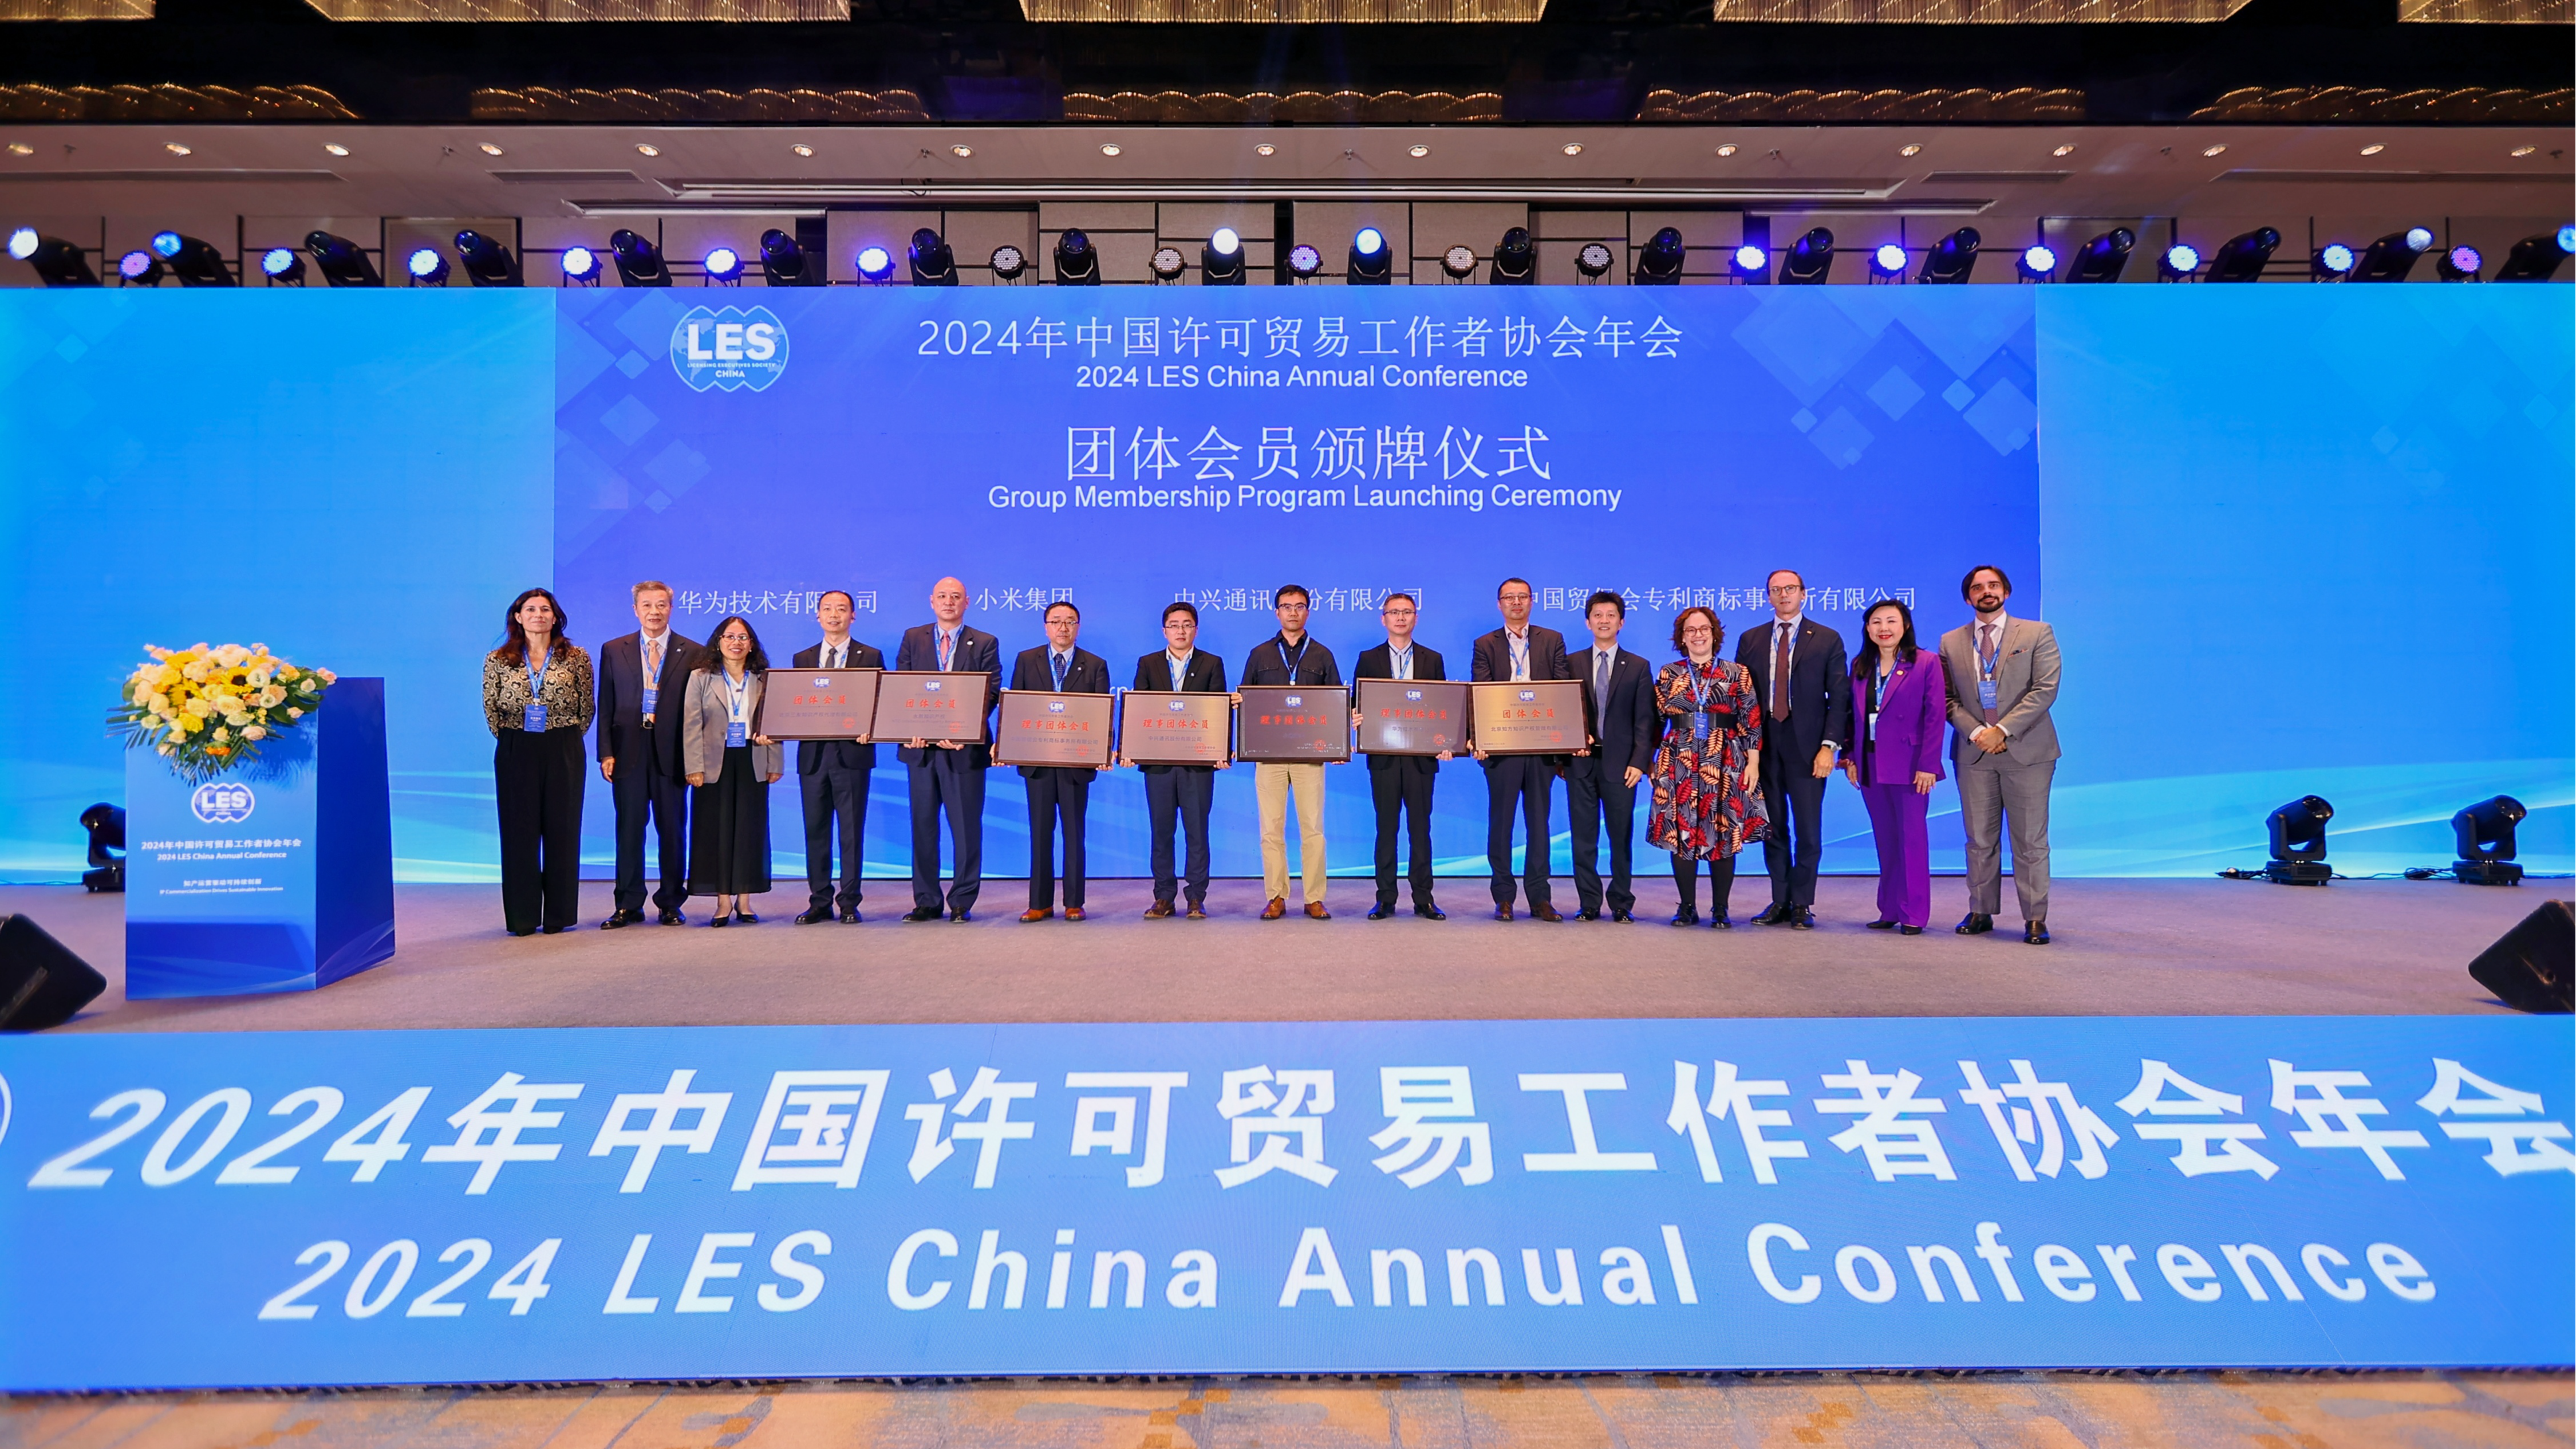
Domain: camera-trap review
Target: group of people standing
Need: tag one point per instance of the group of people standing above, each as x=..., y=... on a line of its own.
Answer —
x=1735, y=751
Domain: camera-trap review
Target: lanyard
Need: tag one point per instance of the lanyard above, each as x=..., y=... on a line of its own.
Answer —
x=1403, y=662
x=1699, y=686
x=655, y=656
x=738, y=698
x=1990, y=647
x=1291, y=664
x=1180, y=666
x=947, y=650
x=1519, y=653
x=536, y=679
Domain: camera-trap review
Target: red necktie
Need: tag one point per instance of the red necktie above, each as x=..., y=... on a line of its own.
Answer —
x=1779, y=671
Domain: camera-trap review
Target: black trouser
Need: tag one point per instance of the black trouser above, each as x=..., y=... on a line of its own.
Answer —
x=1185, y=791
x=1518, y=784
x=537, y=780
x=946, y=783
x=1721, y=883
x=1054, y=793
x=1795, y=800
x=834, y=793
x=1593, y=790
x=1403, y=783
x=641, y=791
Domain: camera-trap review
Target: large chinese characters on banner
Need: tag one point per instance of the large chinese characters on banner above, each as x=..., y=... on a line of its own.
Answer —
x=785, y=1202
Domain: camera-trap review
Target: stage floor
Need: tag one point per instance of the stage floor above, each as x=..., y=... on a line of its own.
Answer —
x=2123, y=948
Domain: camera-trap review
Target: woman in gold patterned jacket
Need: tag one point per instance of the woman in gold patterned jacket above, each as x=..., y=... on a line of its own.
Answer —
x=537, y=697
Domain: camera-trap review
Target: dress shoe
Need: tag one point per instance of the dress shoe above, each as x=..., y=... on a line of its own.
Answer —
x=961, y=914
x=1882, y=925
x=1278, y=907
x=1685, y=918
x=721, y=920
x=1430, y=912
x=1381, y=911
x=1588, y=913
x=922, y=913
x=675, y=917
x=552, y=930
x=1772, y=915
x=745, y=918
x=813, y=915
x=1315, y=911
x=1802, y=919
x=1196, y=912
x=851, y=918
x=617, y=919
x=1975, y=923
x=1074, y=913
x=1035, y=913
x=523, y=930
x=1909, y=930
x=1502, y=913
x=1719, y=922
x=1158, y=910
x=1545, y=913
x=1622, y=917
x=2035, y=933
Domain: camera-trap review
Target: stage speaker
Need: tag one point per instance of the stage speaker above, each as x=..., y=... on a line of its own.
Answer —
x=41, y=983
x=2528, y=968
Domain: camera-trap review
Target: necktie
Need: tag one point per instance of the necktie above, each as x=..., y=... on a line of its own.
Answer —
x=1600, y=679
x=653, y=661
x=1779, y=671
x=947, y=645
x=1059, y=673
x=835, y=662
x=1986, y=663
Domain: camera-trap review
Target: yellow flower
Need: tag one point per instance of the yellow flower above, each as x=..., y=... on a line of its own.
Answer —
x=191, y=724
x=295, y=714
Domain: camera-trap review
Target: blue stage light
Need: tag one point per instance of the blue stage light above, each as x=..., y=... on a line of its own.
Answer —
x=1750, y=261
x=876, y=264
x=1369, y=242
x=1660, y=261
x=1077, y=261
x=1515, y=259
x=167, y=243
x=1372, y=265
x=22, y=243
x=487, y=262
x=2334, y=259
x=2103, y=258
x=2392, y=257
x=342, y=262
x=2459, y=264
x=1304, y=261
x=139, y=268
x=1221, y=259
x=2180, y=260
x=639, y=261
x=2419, y=238
x=1888, y=260
x=195, y=263
x=1811, y=261
x=581, y=264
x=1225, y=241
x=428, y=268
x=2038, y=263
x=1952, y=259
x=933, y=261
x=2532, y=259
x=2567, y=239
x=724, y=264
x=278, y=261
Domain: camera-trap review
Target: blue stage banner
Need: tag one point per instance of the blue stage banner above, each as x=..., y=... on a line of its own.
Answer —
x=455, y=1206
x=1125, y=447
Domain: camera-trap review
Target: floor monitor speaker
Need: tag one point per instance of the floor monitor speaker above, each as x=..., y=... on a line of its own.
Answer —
x=2528, y=968
x=41, y=982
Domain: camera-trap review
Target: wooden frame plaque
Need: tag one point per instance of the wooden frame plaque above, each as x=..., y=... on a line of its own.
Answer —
x=1160, y=727
x=817, y=704
x=1040, y=727
x=1293, y=724
x=923, y=704
x=1528, y=717
x=1412, y=716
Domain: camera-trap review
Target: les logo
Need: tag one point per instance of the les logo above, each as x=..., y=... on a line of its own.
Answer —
x=222, y=803
x=729, y=349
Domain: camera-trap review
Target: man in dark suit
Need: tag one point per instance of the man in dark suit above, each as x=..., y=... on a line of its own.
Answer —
x=1619, y=688
x=642, y=677
x=1519, y=783
x=1804, y=682
x=1402, y=783
x=947, y=776
x=1181, y=792
x=832, y=775
x=1056, y=790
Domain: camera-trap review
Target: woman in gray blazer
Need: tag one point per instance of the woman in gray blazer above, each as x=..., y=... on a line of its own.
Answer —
x=730, y=770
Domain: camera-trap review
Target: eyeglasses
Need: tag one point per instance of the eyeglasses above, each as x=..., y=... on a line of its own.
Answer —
x=1784, y=590
x=1513, y=598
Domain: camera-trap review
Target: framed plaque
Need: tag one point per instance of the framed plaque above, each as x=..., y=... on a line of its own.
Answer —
x=1412, y=716
x=817, y=704
x=1158, y=727
x=926, y=705
x=1294, y=724
x=1529, y=717
x=1041, y=727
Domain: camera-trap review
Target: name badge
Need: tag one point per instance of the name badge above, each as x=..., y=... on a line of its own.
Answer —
x=652, y=700
x=1699, y=725
x=1873, y=724
x=1986, y=696
x=737, y=734
x=533, y=719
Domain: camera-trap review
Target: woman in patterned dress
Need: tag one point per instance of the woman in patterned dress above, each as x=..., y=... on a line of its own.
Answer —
x=537, y=698
x=1707, y=802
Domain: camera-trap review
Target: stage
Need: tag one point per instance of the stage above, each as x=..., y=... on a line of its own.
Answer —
x=2123, y=948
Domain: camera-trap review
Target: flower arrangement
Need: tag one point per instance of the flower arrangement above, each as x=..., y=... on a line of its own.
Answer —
x=206, y=709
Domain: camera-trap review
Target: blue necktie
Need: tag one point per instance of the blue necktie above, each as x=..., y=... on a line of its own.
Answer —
x=1059, y=673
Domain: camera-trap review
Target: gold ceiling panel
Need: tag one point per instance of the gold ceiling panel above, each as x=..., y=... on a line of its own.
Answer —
x=2332, y=105
x=75, y=9
x=1981, y=12
x=480, y=10
x=1262, y=108
x=575, y=104
x=2489, y=12
x=1286, y=12
x=1938, y=106
x=33, y=102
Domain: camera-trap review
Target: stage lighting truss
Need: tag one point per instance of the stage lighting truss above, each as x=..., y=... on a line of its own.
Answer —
x=1660, y=260
x=2298, y=840
x=2179, y=263
x=722, y=267
x=2103, y=258
x=195, y=263
x=639, y=262
x=57, y=263
x=487, y=262
x=1372, y=261
x=1305, y=263
x=1887, y=263
x=1077, y=263
x=580, y=267
x=876, y=265
x=1952, y=259
x=2392, y=257
x=1593, y=262
x=1167, y=265
x=2459, y=264
x=1221, y=259
x=138, y=268
x=1515, y=260
x=1458, y=264
x=1010, y=264
x=933, y=264
x=342, y=262
x=783, y=263
x=1810, y=261
x=282, y=267
x=2484, y=834
x=2536, y=258
x=426, y=267
x=2037, y=263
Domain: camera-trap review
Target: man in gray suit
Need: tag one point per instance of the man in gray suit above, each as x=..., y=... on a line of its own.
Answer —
x=2003, y=678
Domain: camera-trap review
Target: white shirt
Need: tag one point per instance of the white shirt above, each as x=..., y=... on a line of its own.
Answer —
x=1399, y=662
x=1180, y=666
x=835, y=656
x=1520, y=655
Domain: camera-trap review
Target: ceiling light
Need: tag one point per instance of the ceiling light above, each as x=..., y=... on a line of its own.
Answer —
x=1909, y=150
x=1266, y=149
x=2518, y=150
x=488, y=149
x=961, y=152
x=2214, y=151
x=1417, y=151
x=801, y=149
x=335, y=148
x=2373, y=149
x=1573, y=148
x=2066, y=150
x=21, y=148
x=1108, y=148
x=174, y=148
x=1726, y=150
x=647, y=148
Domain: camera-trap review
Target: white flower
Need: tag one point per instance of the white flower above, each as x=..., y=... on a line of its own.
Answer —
x=255, y=733
x=326, y=676
x=295, y=714
x=167, y=749
x=237, y=719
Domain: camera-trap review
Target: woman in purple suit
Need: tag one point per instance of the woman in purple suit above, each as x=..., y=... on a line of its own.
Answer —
x=1900, y=702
